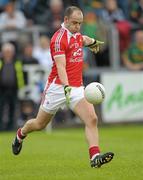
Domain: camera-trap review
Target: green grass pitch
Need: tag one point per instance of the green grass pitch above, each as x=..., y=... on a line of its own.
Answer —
x=63, y=155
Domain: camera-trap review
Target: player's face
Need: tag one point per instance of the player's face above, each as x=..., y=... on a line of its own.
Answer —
x=73, y=23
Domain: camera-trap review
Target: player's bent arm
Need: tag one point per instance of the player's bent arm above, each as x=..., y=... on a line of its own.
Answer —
x=87, y=40
x=61, y=68
x=91, y=43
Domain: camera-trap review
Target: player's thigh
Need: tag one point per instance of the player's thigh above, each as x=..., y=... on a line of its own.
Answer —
x=85, y=111
x=43, y=117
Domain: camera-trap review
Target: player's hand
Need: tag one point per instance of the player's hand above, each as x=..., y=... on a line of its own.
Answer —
x=95, y=47
x=67, y=90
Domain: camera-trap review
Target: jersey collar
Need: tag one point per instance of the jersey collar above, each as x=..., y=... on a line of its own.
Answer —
x=69, y=33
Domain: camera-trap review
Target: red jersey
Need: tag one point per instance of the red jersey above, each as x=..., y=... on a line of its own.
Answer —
x=65, y=43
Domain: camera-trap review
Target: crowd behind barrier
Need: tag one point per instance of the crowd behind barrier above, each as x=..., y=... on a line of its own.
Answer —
x=28, y=27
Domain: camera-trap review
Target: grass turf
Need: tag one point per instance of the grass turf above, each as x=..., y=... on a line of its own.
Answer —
x=63, y=154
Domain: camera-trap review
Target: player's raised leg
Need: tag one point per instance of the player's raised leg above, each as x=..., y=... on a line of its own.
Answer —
x=38, y=123
x=87, y=114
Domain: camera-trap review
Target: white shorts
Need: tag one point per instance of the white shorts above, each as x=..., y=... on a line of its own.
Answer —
x=54, y=98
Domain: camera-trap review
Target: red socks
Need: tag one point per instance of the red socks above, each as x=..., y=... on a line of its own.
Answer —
x=20, y=136
x=93, y=151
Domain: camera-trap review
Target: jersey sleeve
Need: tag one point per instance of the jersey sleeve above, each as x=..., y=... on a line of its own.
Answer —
x=58, y=46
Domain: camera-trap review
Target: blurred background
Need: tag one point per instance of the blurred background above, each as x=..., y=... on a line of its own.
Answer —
x=25, y=63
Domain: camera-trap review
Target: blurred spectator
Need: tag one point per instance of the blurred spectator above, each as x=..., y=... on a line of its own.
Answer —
x=28, y=59
x=133, y=57
x=27, y=111
x=40, y=9
x=27, y=56
x=53, y=17
x=124, y=5
x=11, y=20
x=30, y=96
x=94, y=27
x=112, y=14
x=42, y=52
x=28, y=7
x=87, y=5
x=11, y=80
x=2, y=4
x=136, y=12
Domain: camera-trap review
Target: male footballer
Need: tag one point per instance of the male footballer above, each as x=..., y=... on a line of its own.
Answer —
x=65, y=86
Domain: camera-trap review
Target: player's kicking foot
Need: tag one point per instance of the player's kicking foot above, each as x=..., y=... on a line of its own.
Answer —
x=101, y=159
x=16, y=146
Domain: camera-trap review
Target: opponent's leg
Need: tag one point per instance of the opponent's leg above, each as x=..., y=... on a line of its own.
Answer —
x=87, y=114
x=40, y=122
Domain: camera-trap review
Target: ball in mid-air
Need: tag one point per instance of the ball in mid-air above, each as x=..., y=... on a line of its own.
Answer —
x=94, y=93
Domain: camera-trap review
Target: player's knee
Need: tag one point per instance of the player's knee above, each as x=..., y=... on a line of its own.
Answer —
x=93, y=120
